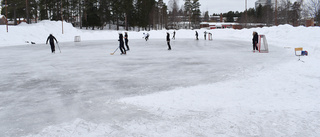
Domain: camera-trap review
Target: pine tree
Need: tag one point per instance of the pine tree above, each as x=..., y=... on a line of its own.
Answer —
x=259, y=14
x=143, y=9
x=104, y=12
x=16, y=9
x=188, y=10
x=206, y=16
x=43, y=10
x=91, y=18
x=295, y=13
x=196, y=13
x=128, y=13
x=317, y=18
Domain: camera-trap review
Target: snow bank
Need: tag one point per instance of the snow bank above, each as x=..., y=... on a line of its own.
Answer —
x=283, y=35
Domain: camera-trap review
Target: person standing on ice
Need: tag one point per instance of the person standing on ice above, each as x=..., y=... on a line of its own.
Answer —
x=210, y=36
x=168, y=41
x=197, y=35
x=174, y=35
x=121, y=44
x=126, y=40
x=255, y=41
x=205, y=35
x=52, y=38
x=146, y=36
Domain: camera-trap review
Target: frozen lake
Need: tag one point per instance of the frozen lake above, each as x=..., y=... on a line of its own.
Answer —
x=40, y=89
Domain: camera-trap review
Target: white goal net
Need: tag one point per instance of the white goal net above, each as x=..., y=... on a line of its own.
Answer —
x=77, y=39
x=263, y=44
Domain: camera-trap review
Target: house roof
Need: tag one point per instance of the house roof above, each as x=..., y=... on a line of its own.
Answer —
x=219, y=23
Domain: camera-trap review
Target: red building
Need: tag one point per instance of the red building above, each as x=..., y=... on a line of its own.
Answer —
x=2, y=20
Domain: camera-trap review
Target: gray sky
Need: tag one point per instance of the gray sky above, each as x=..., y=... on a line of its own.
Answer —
x=221, y=6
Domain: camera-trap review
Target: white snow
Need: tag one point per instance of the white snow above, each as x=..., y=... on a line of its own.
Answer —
x=200, y=88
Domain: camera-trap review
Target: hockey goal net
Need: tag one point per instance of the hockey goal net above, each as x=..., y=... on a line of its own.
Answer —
x=263, y=44
x=77, y=39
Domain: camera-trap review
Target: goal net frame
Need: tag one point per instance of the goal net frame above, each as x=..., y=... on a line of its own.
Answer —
x=263, y=44
x=77, y=39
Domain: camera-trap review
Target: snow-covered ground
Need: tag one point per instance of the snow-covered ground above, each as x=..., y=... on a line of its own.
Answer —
x=199, y=88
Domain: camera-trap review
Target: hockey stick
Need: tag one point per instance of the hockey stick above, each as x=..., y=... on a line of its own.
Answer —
x=114, y=51
x=59, y=47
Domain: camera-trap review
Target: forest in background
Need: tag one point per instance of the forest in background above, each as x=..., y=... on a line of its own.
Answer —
x=151, y=14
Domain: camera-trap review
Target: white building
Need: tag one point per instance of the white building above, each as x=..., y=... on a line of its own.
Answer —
x=264, y=3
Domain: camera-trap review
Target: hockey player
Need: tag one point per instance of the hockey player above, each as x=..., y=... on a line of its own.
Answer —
x=146, y=36
x=205, y=35
x=255, y=41
x=210, y=36
x=168, y=41
x=121, y=44
x=174, y=35
x=197, y=35
x=52, y=38
x=126, y=40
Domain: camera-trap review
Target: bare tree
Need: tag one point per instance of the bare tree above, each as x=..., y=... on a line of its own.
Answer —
x=313, y=7
x=283, y=11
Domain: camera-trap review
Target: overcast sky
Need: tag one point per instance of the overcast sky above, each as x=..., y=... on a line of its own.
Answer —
x=221, y=6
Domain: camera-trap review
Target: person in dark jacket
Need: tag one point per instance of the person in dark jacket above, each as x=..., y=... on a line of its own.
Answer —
x=146, y=36
x=168, y=41
x=52, y=38
x=255, y=41
x=121, y=44
x=174, y=35
x=126, y=40
x=197, y=35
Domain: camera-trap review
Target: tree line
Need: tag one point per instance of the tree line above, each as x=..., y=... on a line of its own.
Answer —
x=151, y=14
x=286, y=12
x=145, y=14
x=91, y=13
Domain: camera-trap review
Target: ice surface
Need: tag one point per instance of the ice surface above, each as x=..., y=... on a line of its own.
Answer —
x=199, y=88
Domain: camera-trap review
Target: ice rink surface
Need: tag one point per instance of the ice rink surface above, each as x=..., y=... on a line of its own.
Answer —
x=42, y=92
